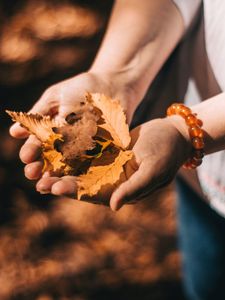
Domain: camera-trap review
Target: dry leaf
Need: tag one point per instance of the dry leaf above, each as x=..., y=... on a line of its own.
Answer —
x=96, y=177
x=40, y=126
x=53, y=160
x=114, y=117
x=78, y=134
x=92, y=142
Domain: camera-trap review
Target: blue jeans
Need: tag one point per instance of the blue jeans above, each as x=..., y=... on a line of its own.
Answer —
x=201, y=233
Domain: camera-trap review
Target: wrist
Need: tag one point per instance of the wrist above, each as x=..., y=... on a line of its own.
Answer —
x=195, y=133
x=179, y=125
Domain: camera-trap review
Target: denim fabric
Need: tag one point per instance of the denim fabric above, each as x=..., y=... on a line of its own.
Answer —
x=201, y=233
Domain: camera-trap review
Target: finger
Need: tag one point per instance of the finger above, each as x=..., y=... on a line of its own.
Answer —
x=66, y=186
x=33, y=170
x=31, y=150
x=44, y=185
x=18, y=132
x=130, y=189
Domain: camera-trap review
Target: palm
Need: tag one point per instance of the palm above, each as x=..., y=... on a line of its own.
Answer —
x=60, y=100
x=159, y=152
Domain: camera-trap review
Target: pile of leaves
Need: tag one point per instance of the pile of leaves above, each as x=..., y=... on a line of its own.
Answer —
x=90, y=144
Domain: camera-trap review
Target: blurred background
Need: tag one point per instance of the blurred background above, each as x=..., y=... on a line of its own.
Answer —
x=55, y=248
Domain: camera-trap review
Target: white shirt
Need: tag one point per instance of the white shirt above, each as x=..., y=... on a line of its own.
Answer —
x=212, y=171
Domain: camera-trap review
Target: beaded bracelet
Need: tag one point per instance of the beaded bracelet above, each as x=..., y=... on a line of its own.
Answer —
x=195, y=132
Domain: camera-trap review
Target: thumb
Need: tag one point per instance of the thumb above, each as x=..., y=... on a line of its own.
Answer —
x=132, y=188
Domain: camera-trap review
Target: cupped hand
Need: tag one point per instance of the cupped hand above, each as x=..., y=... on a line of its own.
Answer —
x=159, y=151
x=60, y=100
x=159, y=147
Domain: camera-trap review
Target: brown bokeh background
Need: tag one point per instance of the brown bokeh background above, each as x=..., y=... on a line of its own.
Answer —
x=55, y=248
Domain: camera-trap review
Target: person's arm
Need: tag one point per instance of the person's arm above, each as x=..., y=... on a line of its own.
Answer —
x=163, y=145
x=140, y=37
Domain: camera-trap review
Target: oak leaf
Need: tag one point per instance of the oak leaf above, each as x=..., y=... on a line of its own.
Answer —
x=114, y=118
x=98, y=176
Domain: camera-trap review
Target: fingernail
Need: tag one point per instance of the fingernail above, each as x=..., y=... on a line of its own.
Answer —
x=44, y=192
x=46, y=174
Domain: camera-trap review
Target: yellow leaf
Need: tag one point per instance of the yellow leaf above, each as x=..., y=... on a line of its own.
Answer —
x=98, y=176
x=52, y=161
x=102, y=158
x=40, y=126
x=114, y=117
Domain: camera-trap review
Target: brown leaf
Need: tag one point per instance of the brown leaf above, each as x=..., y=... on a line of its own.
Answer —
x=92, y=146
x=98, y=176
x=114, y=117
x=40, y=126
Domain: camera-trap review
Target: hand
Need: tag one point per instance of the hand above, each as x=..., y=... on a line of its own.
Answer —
x=60, y=100
x=160, y=149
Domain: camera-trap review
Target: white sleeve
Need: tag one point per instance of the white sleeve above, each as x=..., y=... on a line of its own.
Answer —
x=188, y=9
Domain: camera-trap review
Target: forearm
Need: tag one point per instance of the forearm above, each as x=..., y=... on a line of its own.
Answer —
x=212, y=113
x=140, y=37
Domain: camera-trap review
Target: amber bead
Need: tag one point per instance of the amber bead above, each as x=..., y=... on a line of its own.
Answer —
x=174, y=109
x=179, y=107
x=185, y=111
x=199, y=122
x=170, y=111
x=188, y=165
x=195, y=161
x=175, y=105
x=192, y=163
x=195, y=131
x=191, y=120
x=198, y=154
x=198, y=143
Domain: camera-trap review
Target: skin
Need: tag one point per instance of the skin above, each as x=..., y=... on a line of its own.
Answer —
x=160, y=146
